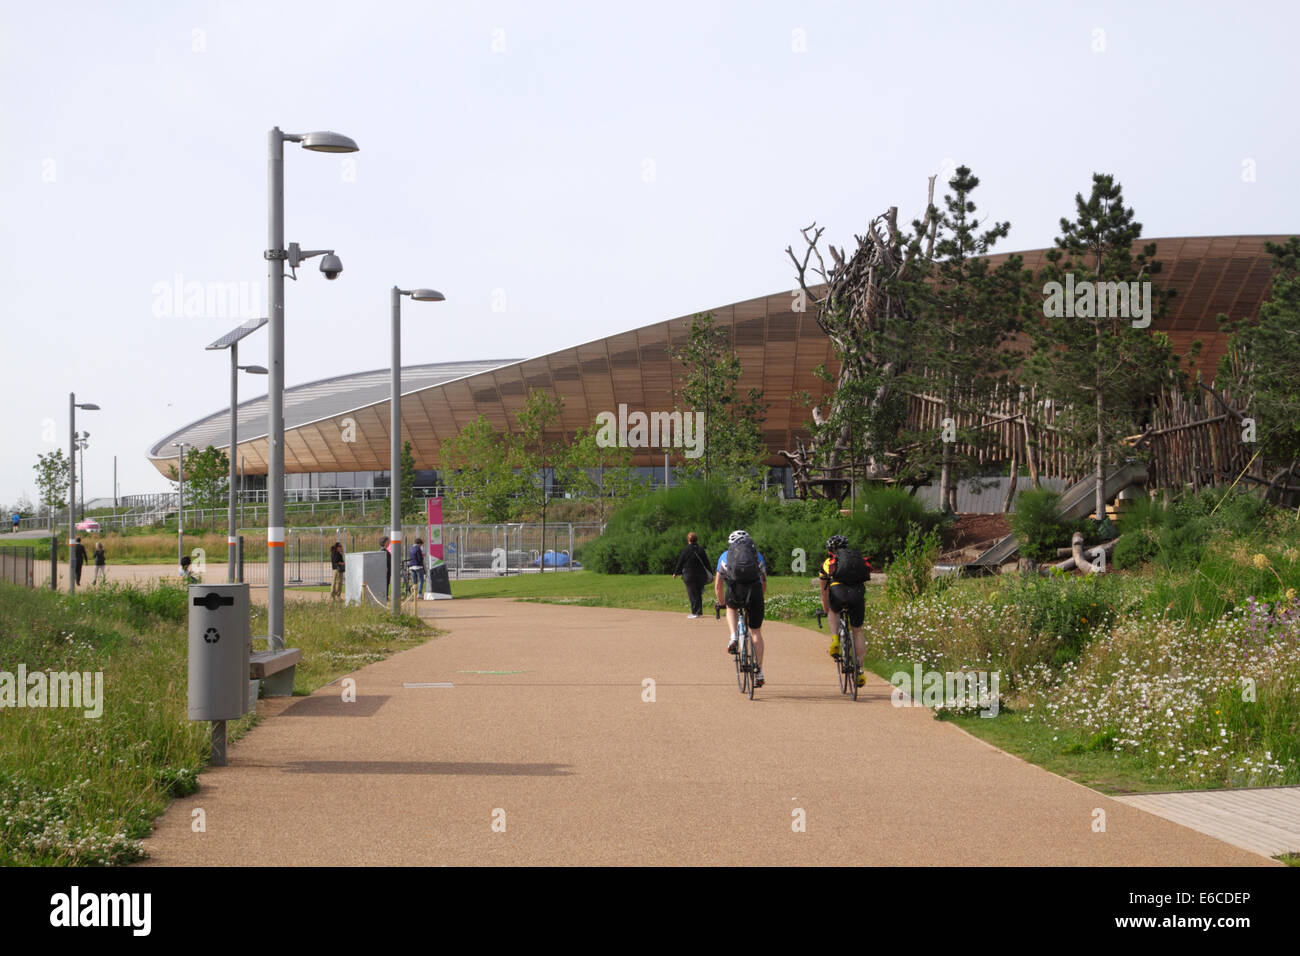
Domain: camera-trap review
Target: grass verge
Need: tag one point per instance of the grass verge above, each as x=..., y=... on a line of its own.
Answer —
x=83, y=791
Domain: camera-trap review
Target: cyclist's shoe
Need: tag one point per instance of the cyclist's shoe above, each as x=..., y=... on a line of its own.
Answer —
x=835, y=647
x=758, y=679
x=733, y=647
x=862, y=677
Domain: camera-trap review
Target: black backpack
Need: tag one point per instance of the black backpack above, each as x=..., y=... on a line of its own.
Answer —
x=847, y=567
x=742, y=562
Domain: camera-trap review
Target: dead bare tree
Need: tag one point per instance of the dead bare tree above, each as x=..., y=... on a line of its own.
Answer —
x=854, y=306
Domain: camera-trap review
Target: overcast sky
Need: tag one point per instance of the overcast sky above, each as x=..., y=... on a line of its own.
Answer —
x=561, y=171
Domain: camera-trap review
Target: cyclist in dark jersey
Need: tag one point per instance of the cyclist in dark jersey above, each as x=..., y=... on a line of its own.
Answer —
x=844, y=596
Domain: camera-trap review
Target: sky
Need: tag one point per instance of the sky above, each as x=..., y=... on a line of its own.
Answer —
x=560, y=171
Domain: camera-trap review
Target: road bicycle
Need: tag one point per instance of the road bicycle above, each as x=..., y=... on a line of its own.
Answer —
x=746, y=665
x=847, y=662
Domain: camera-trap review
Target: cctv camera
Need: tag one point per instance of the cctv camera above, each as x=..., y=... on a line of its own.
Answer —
x=331, y=266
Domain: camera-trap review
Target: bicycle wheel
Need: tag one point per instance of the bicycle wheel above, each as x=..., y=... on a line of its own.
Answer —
x=740, y=668
x=851, y=670
x=846, y=651
x=752, y=668
x=743, y=660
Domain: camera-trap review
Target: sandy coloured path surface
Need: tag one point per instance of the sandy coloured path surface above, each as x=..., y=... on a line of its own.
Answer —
x=546, y=731
x=149, y=573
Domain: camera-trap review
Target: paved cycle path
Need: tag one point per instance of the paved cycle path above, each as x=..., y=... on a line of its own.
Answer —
x=545, y=750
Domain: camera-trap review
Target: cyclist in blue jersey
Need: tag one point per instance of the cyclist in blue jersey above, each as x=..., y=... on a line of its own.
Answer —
x=743, y=571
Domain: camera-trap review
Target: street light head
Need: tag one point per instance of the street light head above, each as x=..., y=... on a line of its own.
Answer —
x=88, y=406
x=253, y=369
x=331, y=265
x=427, y=295
x=327, y=142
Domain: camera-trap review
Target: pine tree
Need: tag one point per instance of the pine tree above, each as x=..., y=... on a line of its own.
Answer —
x=1093, y=351
x=960, y=313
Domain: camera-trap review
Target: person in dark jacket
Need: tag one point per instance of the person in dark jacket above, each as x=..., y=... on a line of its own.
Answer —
x=388, y=565
x=78, y=558
x=415, y=561
x=693, y=567
x=101, y=561
x=337, y=566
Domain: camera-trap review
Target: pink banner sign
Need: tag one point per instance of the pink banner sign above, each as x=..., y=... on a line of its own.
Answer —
x=434, y=508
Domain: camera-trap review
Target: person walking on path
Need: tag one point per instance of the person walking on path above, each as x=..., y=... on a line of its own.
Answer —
x=693, y=567
x=336, y=565
x=17, y=518
x=101, y=571
x=415, y=561
x=387, y=548
x=78, y=558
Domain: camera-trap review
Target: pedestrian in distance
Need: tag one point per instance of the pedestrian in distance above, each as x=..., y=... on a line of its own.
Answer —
x=387, y=548
x=415, y=561
x=78, y=558
x=101, y=570
x=336, y=565
x=693, y=568
x=17, y=518
x=187, y=576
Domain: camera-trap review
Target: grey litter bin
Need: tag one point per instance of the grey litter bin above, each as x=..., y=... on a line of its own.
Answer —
x=219, y=638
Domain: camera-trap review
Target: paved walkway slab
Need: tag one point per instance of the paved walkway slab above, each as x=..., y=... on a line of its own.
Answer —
x=1264, y=820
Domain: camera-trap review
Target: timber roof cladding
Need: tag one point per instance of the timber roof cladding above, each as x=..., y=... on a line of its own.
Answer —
x=778, y=350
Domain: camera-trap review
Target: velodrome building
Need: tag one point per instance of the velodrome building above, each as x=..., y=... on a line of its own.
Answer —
x=336, y=429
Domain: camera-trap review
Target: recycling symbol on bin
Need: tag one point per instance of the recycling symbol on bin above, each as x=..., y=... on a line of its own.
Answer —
x=211, y=636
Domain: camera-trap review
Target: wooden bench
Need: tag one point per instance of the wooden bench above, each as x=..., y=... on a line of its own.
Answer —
x=275, y=669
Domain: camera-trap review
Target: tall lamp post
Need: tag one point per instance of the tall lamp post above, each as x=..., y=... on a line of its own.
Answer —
x=72, y=477
x=395, y=439
x=231, y=341
x=276, y=254
x=83, y=442
x=180, y=501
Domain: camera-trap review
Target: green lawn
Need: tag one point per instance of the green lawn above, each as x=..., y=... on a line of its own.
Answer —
x=648, y=592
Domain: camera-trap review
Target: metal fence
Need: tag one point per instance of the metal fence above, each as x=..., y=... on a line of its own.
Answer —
x=469, y=550
x=17, y=565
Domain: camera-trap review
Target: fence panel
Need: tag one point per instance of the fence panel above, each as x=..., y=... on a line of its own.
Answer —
x=17, y=565
x=469, y=550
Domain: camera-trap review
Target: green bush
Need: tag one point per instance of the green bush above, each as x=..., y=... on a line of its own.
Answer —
x=1175, y=535
x=646, y=535
x=884, y=519
x=1038, y=525
x=909, y=575
x=1065, y=608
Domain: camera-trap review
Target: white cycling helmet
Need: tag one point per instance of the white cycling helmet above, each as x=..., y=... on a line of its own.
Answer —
x=737, y=535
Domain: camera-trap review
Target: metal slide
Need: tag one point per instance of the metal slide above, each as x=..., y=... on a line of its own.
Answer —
x=1076, y=502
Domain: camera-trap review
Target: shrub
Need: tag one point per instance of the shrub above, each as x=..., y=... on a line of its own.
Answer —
x=908, y=576
x=1064, y=608
x=884, y=520
x=1038, y=525
x=646, y=535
